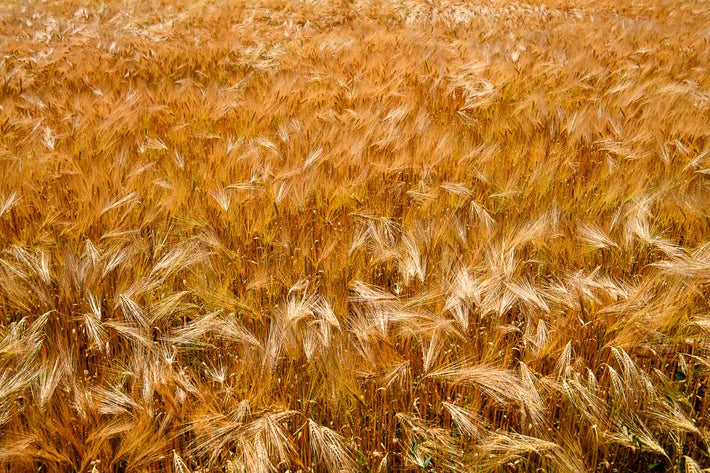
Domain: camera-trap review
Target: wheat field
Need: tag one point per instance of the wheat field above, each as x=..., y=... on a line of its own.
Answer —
x=355, y=236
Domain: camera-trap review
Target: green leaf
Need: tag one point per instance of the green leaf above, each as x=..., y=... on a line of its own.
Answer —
x=427, y=462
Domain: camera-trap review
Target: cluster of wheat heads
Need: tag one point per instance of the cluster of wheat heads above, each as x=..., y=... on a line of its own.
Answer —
x=361, y=236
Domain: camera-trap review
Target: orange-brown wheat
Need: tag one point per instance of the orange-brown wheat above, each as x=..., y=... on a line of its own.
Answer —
x=354, y=235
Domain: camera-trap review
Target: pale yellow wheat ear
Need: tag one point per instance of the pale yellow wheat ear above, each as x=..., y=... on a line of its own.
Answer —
x=691, y=466
x=382, y=465
x=468, y=422
x=179, y=464
x=331, y=448
x=431, y=353
x=500, y=385
x=533, y=405
x=411, y=263
x=8, y=202
x=500, y=448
